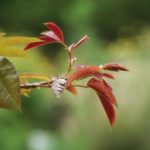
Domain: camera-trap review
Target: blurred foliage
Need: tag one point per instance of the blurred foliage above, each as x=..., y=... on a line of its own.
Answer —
x=119, y=31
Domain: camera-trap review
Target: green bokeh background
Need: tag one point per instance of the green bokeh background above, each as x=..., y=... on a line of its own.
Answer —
x=119, y=32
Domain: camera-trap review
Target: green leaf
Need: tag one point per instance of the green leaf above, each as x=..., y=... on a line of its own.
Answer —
x=9, y=85
x=14, y=46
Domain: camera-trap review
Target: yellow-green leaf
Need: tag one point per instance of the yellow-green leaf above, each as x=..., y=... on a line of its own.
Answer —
x=24, y=80
x=14, y=46
x=9, y=85
x=35, y=76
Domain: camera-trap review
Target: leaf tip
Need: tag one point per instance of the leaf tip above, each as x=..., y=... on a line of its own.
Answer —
x=114, y=67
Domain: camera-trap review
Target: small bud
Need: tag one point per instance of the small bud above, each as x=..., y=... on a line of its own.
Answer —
x=73, y=59
x=101, y=66
x=77, y=44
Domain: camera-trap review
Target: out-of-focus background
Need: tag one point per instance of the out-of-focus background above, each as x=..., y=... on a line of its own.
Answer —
x=119, y=32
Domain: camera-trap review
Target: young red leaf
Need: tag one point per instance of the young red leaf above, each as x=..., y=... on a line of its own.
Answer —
x=109, y=109
x=50, y=35
x=47, y=39
x=105, y=94
x=102, y=87
x=115, y=67
x=108, y=75
x=82, y=72
x=100, y=75
x=54, y=35
x=72, y=89
x=107, y=85
x=34, y=44
x=57, y=31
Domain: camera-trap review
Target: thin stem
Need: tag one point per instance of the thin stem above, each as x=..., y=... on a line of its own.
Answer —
x=48, y=83
x=82, y=86
x=65, y=45
x=69, y=64
x=36, y=85
x=69, y=60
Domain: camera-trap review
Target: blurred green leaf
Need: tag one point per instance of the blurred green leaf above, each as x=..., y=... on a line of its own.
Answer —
x=9, y=85
x=2, y=34
x=14, y=46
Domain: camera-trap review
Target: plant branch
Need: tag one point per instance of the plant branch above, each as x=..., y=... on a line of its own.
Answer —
x=46, y=84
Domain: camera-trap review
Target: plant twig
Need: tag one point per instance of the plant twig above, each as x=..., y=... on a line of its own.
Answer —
x=36, y=85
x=82, y=86
x=69, y=64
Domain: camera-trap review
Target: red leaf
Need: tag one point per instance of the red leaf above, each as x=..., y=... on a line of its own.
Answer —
x=108, y=75
x=109, y=109
x=47, y=39
x=54, y=35
x=100, y=75
x=82, y=72
x=34, y=44
x=72, y=89
x=101, y=86
x=107, y=99
x=115, y=67
x=107, y=85
x=51, y=35
x=53, y=27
